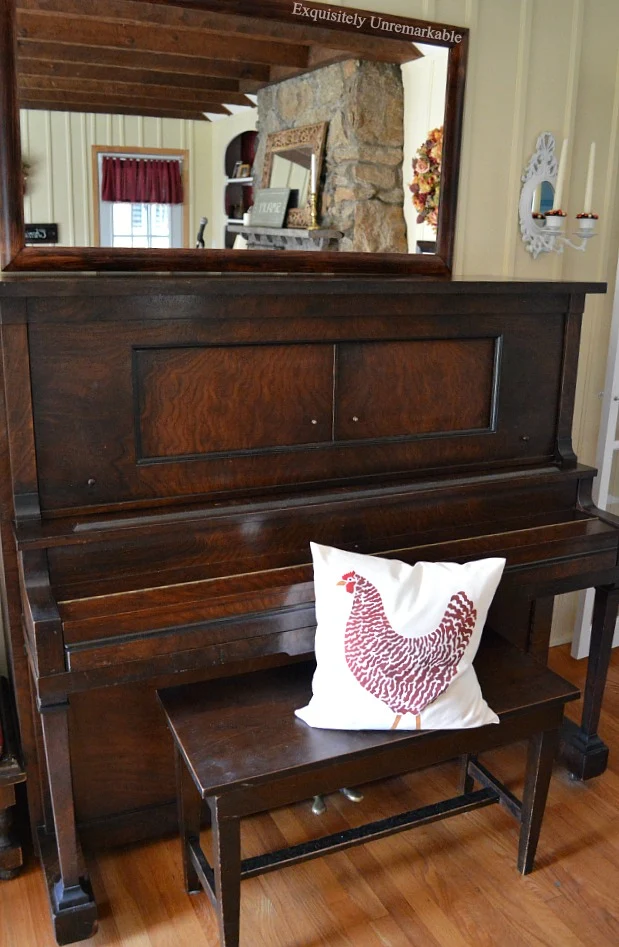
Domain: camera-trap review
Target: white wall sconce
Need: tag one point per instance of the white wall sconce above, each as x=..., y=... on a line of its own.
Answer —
x=542, y=218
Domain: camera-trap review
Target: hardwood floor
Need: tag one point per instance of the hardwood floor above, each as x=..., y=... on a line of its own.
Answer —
x=452, y=884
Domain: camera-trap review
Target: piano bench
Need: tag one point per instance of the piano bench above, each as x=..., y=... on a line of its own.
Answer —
x=240, y=749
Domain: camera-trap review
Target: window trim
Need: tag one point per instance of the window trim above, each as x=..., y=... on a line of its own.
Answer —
x=113, y=150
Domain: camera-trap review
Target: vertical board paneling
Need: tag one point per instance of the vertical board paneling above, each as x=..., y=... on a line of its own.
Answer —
x=517, y=136
x=28, y=157
x=488, y=136
x=87, y=234
x=59, y=144
x=49, y=165
x=70, y=182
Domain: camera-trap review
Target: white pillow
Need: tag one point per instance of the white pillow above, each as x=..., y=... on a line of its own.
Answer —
x=395, y=643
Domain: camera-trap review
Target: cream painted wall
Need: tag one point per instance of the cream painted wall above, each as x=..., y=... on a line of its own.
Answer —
x=425, y=83
x=58, y=147
x=537, y=65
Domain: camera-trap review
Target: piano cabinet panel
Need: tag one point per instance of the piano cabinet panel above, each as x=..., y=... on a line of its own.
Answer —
x=151, y=412
x=220, y=399
x=390, y=389
x=122, y=756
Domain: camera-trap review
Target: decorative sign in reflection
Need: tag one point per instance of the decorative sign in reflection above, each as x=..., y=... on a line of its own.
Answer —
x=270, y=206
x=41, y=233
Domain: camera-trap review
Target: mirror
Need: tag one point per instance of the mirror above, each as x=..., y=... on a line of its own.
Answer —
x=117, y=93
x=291, y=168
x=287, y=162
x=537, y=194
x=543, y=199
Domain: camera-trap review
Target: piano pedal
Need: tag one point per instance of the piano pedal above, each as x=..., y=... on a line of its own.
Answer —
x=353, y=794
x=319, y=806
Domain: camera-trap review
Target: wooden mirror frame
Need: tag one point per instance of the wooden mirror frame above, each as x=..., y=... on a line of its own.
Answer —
x=281, y=142
x=16, y=257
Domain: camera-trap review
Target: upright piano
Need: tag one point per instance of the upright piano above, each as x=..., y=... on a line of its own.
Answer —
x=172, y=444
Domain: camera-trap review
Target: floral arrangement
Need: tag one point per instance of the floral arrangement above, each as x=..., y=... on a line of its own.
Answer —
x=587, y=216
x=555, y=213
x=426, y=184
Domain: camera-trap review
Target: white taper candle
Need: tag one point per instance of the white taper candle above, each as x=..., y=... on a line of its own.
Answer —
x=313, y=177
x=556, y=204
x=589, y=187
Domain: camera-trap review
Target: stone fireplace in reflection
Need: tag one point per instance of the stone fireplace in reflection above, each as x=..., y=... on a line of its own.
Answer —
x=361, y=192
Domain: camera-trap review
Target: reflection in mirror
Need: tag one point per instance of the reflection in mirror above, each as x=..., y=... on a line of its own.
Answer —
x=288, y=153
x=85, y=97
x=543, y=199
x=292, y=169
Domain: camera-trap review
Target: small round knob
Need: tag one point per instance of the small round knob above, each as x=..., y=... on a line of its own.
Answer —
x=525, y=438
x=314, y=421
x=91, y=482
x=355, y=418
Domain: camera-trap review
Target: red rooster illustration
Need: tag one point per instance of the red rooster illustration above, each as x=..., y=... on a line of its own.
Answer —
x=407, y=674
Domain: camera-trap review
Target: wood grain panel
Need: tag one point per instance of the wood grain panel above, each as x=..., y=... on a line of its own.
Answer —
x=84, y=393
x=417, y=387
x=200, y=401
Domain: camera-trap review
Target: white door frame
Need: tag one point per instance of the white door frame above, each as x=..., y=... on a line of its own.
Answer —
x=608, y=445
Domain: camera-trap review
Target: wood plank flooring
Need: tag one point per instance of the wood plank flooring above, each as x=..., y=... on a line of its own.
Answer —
x=453, y=884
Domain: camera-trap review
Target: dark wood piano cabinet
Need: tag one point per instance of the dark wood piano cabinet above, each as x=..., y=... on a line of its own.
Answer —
x=173, y=444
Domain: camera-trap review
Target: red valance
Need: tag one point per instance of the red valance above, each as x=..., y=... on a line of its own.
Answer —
x=141, y=181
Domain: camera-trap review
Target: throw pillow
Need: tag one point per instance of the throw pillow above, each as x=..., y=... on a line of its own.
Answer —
x=395, y=643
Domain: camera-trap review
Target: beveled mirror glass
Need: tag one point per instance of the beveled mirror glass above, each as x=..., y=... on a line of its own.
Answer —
x=130, y=91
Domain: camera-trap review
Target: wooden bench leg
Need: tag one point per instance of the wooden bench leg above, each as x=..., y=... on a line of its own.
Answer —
x=190, y=808
x=227, y=857
x=541, y=754
x=466, y=780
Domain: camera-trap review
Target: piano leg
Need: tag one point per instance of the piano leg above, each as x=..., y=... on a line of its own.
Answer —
x=73, y=908
x=583, y=752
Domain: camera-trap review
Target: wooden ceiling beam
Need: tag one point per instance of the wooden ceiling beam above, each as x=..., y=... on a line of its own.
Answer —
x=189, y=98
x=214, y=17
x=113, y=102
x=118, y=34
x=134, y=59
x=148, y=78
x=102, y=110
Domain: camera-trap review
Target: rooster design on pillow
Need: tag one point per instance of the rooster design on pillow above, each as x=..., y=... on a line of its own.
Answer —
x=407, y=674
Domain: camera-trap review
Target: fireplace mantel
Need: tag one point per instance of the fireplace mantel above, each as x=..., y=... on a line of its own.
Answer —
x=287, y=238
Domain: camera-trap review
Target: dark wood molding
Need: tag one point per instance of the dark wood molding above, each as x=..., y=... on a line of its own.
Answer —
x=11, y=182
x=143, y=42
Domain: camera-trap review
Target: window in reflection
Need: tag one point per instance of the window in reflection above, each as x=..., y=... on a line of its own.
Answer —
x=135, y=223
x=139, y=225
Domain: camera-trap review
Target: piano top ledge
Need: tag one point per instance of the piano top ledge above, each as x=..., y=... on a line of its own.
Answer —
x=21, y=286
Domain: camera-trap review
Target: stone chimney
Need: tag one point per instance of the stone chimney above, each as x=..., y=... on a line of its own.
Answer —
x=361, y=192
